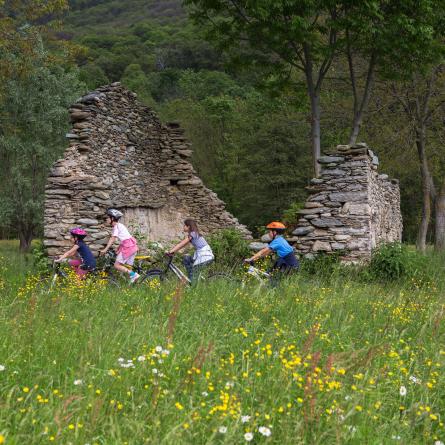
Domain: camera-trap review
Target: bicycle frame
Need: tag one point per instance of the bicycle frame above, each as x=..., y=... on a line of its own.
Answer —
x=258, y=274
x=177, y=271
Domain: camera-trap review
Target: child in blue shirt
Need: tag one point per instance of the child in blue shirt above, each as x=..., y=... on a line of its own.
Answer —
x=286, y=261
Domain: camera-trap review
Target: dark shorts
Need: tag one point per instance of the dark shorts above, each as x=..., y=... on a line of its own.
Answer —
x=288, y=264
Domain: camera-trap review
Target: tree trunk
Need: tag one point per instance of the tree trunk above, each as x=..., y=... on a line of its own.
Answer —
x=426, y=191
x=313, y=90
x=359, y=109
x=25, y=237
x=315, y=132
x=439, y=232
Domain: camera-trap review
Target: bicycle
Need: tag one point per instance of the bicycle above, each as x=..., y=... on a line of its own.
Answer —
x=57, y=274
x=272, y=277
x=259, y=275
x=160, y=274
x=106, y=267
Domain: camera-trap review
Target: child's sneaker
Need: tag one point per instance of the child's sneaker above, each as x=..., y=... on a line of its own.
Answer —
x=133, y=277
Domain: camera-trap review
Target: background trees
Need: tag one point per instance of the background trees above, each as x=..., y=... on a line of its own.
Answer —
x=246, y=109
x=37, y=85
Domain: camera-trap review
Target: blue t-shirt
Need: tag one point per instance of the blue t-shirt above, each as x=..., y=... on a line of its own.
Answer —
x=280, y=246
x=87, y=256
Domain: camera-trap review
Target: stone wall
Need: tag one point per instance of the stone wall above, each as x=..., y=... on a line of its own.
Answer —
x=352, y=208
x=120, y=155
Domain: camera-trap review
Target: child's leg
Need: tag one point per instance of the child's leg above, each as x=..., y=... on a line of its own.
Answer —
x=75, y=264
x=121, y=268
x=197, y=270
x=188, y=263
x=119, y=265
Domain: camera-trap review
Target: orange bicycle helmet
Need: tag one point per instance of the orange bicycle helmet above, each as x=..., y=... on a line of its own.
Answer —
x=276, y=225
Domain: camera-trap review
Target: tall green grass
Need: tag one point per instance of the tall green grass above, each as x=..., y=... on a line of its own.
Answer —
x=320, y=359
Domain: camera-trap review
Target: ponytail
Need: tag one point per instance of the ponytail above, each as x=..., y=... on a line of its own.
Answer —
x=192, y=225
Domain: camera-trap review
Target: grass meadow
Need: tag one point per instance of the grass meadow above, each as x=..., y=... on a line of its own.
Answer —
x=314, y=361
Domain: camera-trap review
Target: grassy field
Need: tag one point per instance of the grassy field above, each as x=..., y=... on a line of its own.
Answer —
x=314, y=361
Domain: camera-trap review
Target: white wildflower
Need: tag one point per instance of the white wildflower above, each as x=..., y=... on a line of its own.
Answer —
x=205, y=393
x=2, y=367
x=245, y=419
x=141, y=358
x=154, y=371
x=78, y=382
x=230, y=384
x=248, y=437
x=348, y=397
x=264, y=431
x=160, y=360
x=159, y=349
x=121, y=360
x=414, y=379
x=222, y=429
x=395, y=437
x=402, y=391
x=166, y=352
x=438, y=442
x=129, y=364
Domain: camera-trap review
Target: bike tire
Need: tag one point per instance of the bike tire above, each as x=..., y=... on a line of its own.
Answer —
x=216, y=276
x=151, y=275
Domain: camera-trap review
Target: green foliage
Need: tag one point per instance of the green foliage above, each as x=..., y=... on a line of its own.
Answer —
x=323, y=265
x=395, y=261
x=34, y=121
x=93, y=76
x=290, y=215
x=39, y=257
x=229, y=247
x=136, y=80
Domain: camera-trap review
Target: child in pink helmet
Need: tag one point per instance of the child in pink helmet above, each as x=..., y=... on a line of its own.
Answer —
x=85, y=260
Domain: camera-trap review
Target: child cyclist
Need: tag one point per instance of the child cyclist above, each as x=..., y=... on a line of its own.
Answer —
x=85, y=261
x=203, y=255
x=287, y=261
x=128, y=247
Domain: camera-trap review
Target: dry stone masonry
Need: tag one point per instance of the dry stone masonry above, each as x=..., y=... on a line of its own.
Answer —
x=351, y=209
x=121, y=156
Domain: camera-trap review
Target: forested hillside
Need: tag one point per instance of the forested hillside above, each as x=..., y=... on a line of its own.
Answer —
x=249, y=145
x=249, y=116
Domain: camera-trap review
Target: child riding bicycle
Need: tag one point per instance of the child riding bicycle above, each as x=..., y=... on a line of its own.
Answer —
x=286, y=262
x=85, y=261
x=203, y=255
x=128, y=247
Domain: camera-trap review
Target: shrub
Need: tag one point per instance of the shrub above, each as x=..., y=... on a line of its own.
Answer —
x=229, y=247
x=323, y=265
x=395, y=261
x=291, y=215
x=39, y=257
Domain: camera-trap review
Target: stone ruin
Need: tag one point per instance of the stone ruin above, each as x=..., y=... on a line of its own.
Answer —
x=351, y=209
x=120, y=155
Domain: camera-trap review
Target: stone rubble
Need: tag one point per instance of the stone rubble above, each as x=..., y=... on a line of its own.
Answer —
x=120, y=155
x=352, y=208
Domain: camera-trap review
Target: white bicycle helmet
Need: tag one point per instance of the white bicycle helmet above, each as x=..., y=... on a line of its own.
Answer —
x=115, y=214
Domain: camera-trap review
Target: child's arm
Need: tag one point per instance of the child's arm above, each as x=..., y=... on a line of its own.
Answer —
x=179, y=246
x=70, y=252
x=109, y=244
x=263, y=252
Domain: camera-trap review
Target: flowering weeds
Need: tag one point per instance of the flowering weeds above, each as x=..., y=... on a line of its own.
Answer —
x=300, y=363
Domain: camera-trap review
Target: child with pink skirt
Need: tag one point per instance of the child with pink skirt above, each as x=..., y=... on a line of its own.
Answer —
x=128, y=247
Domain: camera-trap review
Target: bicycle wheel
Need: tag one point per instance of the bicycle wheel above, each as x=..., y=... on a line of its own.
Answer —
x=150, y=278
x=221, y=276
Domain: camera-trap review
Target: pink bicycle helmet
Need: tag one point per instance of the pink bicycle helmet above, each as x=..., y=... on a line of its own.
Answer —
x=78, y=232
